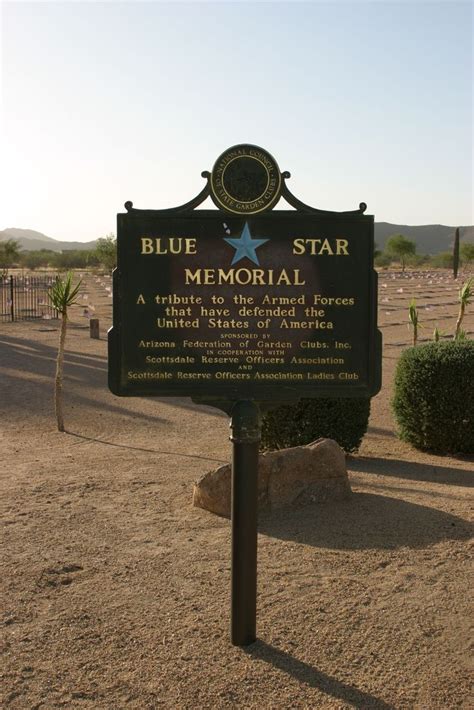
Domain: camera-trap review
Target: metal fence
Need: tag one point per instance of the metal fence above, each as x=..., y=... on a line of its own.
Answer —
x=26, y=298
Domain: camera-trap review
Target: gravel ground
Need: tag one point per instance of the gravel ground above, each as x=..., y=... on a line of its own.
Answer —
x=115, y=590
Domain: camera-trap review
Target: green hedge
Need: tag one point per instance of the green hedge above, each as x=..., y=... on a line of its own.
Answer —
x=344, y=420
x=434, y=397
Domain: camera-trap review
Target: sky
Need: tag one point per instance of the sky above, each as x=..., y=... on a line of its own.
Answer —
x=104, y=102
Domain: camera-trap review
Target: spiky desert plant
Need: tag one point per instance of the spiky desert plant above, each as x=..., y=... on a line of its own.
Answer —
x=413, y=320
x=465, y=295
x=456, y=253
x=62, y=295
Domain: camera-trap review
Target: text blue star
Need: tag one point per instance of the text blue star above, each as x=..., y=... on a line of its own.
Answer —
x=245, y=246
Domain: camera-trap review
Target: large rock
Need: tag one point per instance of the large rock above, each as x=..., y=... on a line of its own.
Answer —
x=315, y=473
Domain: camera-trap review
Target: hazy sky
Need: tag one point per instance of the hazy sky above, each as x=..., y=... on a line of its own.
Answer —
x=104, y=102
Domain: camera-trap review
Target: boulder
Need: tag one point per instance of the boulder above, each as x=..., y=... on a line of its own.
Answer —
x=302, y=475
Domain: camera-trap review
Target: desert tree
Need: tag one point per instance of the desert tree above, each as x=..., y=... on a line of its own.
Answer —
x=62, y=295
x=400, y=247
x=106, y=251
x=467, y=252
x=9, y=255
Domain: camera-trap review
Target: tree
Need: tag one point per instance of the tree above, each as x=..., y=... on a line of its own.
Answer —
x=400, y=247
x=74, y=259
x=106, y=251
x=62, y=295
x=467, y=252
x=34, y=259
x=9, y=255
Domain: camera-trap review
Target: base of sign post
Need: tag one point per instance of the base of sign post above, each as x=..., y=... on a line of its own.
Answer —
x=246, y=433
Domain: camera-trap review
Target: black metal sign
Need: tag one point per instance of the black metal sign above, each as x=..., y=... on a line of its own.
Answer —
x=262, y=306
x=242, y=306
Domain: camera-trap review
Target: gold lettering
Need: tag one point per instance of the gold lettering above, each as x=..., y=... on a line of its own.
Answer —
x=341, y=247
x=193, y=277
x=298, y=246
x=225, y=276
x=169, y=245
x=321, y=247
x=209, y=277
x=326, y=248
x=147, y=245
x=243, y=277
x=297, y=281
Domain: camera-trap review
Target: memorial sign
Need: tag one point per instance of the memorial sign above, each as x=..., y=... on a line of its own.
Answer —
x=279, y=305
x=243, y=308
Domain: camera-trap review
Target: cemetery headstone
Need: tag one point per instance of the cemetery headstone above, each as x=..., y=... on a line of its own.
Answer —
x=94, y=328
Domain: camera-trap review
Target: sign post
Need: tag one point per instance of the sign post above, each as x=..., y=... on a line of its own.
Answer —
x=246, y=430
x=243, y=307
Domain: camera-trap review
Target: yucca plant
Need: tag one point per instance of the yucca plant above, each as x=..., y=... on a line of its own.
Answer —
x=465, y=295
x=436, y=334
x=62, y=295
x=413, y=318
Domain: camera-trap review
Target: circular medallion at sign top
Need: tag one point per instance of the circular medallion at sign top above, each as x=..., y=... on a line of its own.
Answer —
x=245, y=179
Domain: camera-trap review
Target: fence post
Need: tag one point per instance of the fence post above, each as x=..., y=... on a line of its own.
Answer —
x=12, y=308
x=94, y=328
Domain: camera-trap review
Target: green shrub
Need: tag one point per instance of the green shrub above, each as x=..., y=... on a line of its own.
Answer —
x=416, y=260
x=434, y=396
x=344, y=420
x=443, y=260
x=382, y=259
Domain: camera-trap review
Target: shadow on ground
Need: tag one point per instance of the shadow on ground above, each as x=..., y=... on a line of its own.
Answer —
x=413, y=471
x=366, y=521
x=23, y=358
x=97, y=440
x=378, y=431
x=304, y=673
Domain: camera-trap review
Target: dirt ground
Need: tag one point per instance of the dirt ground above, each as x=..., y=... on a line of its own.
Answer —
x=115, y=590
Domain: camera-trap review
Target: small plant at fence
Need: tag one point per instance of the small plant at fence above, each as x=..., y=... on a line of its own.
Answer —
x=62, y=295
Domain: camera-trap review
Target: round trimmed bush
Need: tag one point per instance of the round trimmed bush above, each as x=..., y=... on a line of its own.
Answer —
x=434, y=397
x=344, y=420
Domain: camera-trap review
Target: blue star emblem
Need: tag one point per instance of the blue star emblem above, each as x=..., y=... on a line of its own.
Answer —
x=245, y=246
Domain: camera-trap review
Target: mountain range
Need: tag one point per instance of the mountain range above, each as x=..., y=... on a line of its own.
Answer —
x=429, y=238
x=30, y=240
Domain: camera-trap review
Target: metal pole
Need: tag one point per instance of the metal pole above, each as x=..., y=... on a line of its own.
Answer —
x=246, y=432
x=12, y=307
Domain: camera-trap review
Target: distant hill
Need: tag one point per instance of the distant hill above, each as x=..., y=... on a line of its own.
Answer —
x=29, y=240
x=429, y=238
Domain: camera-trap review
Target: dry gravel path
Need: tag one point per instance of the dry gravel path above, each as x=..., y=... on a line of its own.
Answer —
x=115, y=591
